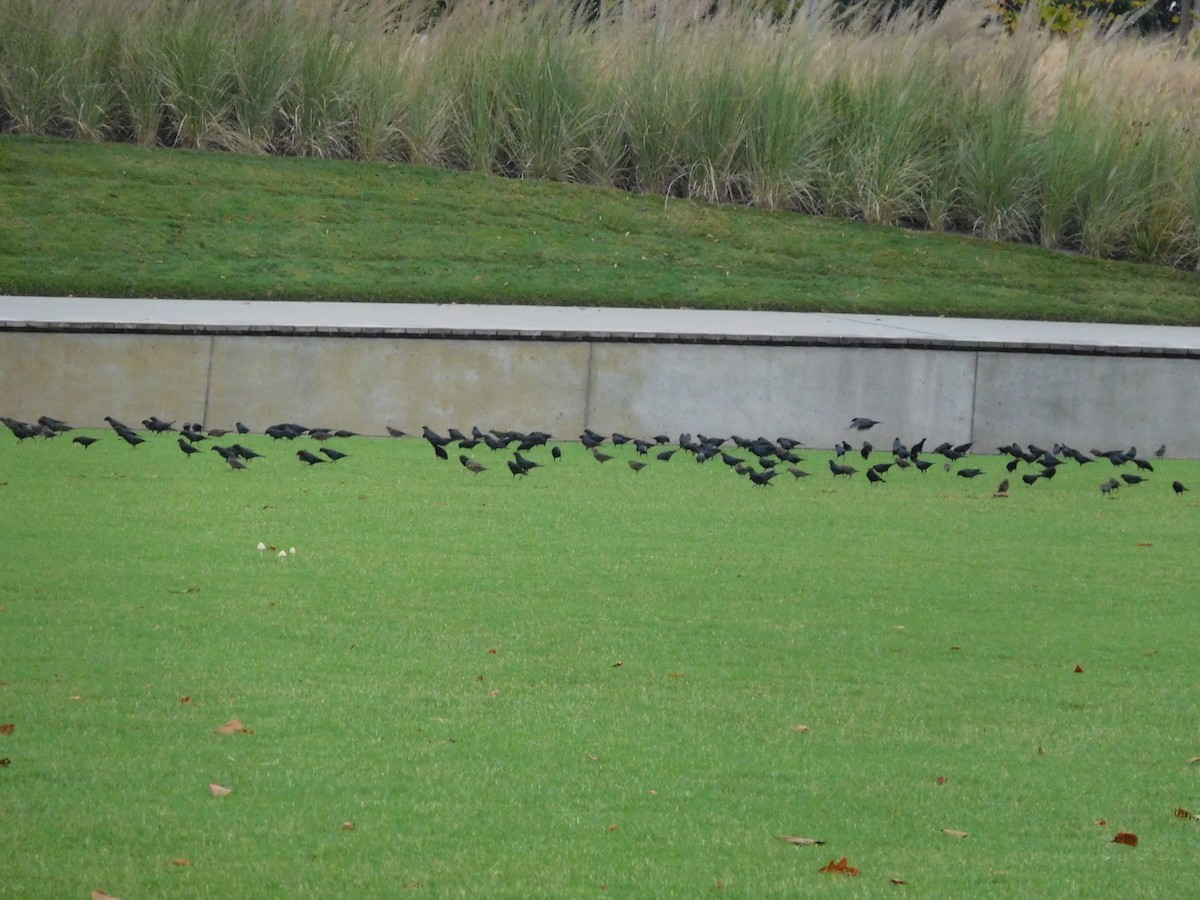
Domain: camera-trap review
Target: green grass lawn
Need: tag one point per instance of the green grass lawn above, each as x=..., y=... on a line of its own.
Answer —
x=588, y=682
x=82, y=219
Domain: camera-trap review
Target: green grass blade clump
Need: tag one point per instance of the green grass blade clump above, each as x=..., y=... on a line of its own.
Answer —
x=31, y=68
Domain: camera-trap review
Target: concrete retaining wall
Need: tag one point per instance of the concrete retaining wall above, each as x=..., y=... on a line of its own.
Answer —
x=640, y=388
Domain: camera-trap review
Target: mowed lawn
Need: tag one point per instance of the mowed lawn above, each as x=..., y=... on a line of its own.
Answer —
x=589, y=681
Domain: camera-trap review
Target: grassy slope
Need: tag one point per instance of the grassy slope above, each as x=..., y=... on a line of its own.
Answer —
x=112, y=220
x=364, y=667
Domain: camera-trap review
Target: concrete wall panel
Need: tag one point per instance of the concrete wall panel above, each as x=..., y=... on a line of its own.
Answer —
x=81, y=378
x=364, y=383
x=1104, y=402
x=810, y=393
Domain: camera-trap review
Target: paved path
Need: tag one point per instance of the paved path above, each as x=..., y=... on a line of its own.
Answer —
x=587, y=323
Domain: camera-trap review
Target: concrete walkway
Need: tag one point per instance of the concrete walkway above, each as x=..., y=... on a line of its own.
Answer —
x=588, y=323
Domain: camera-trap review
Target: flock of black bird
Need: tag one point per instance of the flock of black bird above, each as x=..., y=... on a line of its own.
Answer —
x=757, y=459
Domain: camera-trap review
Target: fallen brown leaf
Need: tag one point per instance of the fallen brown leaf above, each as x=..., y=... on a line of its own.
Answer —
x=1193, y=760
x=592, y=757
x=1145, y=544
x=100, y=895
x=613, y=827
x=5, y=762
x=180, y=861
x=897, y=881
x=618, y=664
x=7, y=728
x=676, y=674
x=801, y=841
x=954, y=832
x=1186, y=813
x=493, y=650
x=234, y=726
x=839, y=867
x=942, y=779
x=219, y=791
x=187, y=699
x=1078, y=669
x=348, y=826
x=1126, y=837
x=495, y=693
x=413, y=885
x=1101, y=822
x=802, y=728
x=75, y=697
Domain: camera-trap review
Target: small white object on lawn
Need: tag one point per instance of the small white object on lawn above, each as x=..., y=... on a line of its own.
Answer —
x=261, y=546
x=292, y=551
x=283, y=554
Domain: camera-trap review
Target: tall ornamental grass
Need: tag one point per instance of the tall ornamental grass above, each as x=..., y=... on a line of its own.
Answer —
x=1007, y=131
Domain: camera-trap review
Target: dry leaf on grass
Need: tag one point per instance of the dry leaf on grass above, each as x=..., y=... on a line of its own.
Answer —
x=954, y=832
x=187, y=699
x=839, y=867
x=7, y=728
x=5, y=762
x=801, y=841
x=1078, y=670
x=101, y=895
x=1126, y=837
x=897, y=881
x=942, y=779
x=219, y=791
x=1193, y=760
x=234, y=726
x=1101, y=822
x=348, y=826
x=1186, y=813
x=802, y=728
x=180, y=861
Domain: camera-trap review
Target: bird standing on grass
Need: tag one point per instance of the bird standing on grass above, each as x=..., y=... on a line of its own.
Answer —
x=1176, y=486
x=84, y=441
x=304, y=456
x=470, y=465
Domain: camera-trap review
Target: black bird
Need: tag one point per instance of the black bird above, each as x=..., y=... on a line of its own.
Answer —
x=1133, y=479
x=456, y=435
x=666, y=455
x=514, y=468
x=53, y=424
x=880, y=468
x=242, y=428
x=861, y=423
x=618, y=439
x=600, y=457
x=84, y=441
x=731, y=460
x=218, y=432
x=525, y=464
x=1158, y=454
x=841, y=448
x=866, y=449
x=433, y=437
x=130, y=438
x=395, y=432
x=591, y=440
x=225, y=452
x=1003, y=488
x=1143, y=464
x=797, y=473
x=439, y=450
x=1109, y=486
x=334, y=455
x=344, y=433
x=115, y=425
x=636, y=465
x=556, y=452
x=1176, y=486
x=246, y=453
x=969, y=473
x=470, y=465
x=788, y=443
x=158, y=426
x=917, y=448
x=643, y=447
x=874, y=477
x=311, y=458
x=1030, y=479
x=234, y=462
x=762, y=479
x=187, y=448
x=496, y=443
x=1012, y=465
x=320, y=434
x=837, y=469
x=921, y=464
